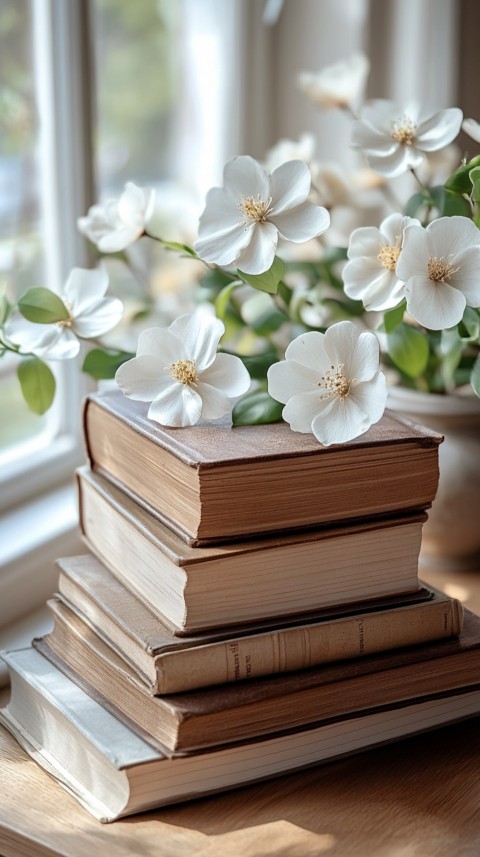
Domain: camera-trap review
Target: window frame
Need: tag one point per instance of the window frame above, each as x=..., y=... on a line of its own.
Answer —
x=63, y=73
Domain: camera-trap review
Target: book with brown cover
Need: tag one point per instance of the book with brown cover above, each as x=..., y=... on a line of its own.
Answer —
x=112, y=772
x=194, y=589
x=168, y=664
x=228, y=713
x=209, y=482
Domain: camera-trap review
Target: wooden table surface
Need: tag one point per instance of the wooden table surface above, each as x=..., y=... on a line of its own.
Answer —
x=417, y=798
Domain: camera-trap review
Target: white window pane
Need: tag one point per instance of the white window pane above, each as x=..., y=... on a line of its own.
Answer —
x=21, y=243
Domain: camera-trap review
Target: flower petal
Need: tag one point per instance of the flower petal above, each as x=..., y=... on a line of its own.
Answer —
x=289, y=185
x=371, y=397
x=220, y=215
x=215, y=403
x=472, y=128
x=415, y=253
x=365, y=137
x=434, y=305
x=228, y=374
x=84, y=288
x=143, y=378
x=380, y=114
x=358, y=352
x=368, y=281
x=178, y=405
x=289, y=378
x=398, y=162
x=309, y=350
x=467, y=278
x=439, y=130
x=393, y=228
x=365, y=241
x=52, y=341
x=343, y=420
x=161, y=343
x=101, y=317
x=258, y=256
x=136, y=205
x=113, y=242
x=452, y=235
x=243, y=176
x=301, y=410
x=224, y=248
x=302, y=223
x=200, y=334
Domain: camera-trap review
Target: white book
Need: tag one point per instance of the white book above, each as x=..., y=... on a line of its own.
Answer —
x=113, y=772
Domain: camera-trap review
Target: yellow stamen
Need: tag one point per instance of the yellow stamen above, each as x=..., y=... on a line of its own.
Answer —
x=404, y=131
x=255, y=209
x=335, y=383
x=184, y=371
x=439, y=269
x=388, y=256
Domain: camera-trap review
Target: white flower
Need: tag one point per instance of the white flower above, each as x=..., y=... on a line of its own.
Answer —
x=440, y=266
x=338, y=85
x=472, y=128
x=118, y=222
x=178, y=370
x=371, y=273
x=285, y=150
x=331, y=383
x=90, y=315
x=242, y=220
x=395, y=140
x=332, y=184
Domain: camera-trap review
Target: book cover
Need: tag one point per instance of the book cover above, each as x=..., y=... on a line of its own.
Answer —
x=195, y=589
x=169, y=664
x=217, y=715
x=201, y=480
x=112, y=772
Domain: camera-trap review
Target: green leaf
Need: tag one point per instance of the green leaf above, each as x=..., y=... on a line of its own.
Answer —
x=259, y=364
x=475, y=377
x=449, y=204
x=451, y=347
x=394, y=317
x=104, y=364
x=409, y=350
x=179, y=248
x=269, y=280
x=414, y=204
x=471, y=321
x=5, y=308
x=459, y=181
x=37, y=383
x=256, y=408
x=42, y=306
x=268, y=322
x=223, y=298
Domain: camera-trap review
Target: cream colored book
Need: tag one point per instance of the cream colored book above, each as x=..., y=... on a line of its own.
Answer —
x=197, y=589
x=113, y=772
x=217, y=483
x=168, y=663
x=197, y=719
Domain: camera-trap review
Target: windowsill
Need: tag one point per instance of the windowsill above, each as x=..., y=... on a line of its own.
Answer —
x=32, y=537
x=20, y=634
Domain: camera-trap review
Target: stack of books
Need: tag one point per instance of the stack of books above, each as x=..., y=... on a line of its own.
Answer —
x=250, y=605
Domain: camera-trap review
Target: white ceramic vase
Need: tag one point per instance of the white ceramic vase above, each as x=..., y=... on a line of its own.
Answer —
x=452, y=533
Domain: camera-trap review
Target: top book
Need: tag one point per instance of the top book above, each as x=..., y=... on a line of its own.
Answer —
x=213, y=483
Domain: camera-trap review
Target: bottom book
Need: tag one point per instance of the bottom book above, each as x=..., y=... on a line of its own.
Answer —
x=113, y=772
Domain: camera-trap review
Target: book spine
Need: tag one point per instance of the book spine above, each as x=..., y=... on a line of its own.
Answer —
x=299, y=648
